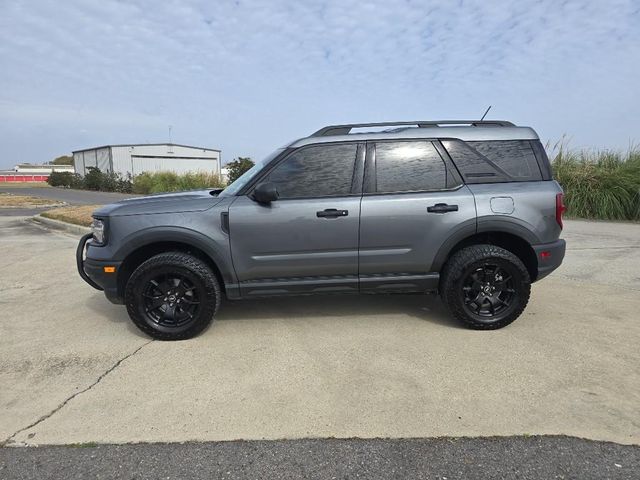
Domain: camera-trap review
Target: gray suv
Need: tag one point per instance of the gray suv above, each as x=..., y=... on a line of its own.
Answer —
x=468, y=209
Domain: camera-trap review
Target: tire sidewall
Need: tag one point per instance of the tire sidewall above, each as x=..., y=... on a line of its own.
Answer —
x=201, y=276
x=467, y=260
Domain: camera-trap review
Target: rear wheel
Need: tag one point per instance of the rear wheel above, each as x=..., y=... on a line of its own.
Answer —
x=172, y=296
x=485, y=286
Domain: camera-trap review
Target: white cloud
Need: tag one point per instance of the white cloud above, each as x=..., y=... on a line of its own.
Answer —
x=248, y=75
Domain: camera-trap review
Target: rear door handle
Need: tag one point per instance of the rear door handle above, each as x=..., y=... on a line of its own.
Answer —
x=332, y=213
x=442, y=208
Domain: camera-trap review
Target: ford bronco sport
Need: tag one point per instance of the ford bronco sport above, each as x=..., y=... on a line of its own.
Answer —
x=468, y=209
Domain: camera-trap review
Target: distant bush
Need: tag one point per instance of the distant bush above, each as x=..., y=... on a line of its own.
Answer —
x=158, y=182
x=62, y=160
x=64, y=179
x=93, y=180
x=238, y=167
x=600, y=185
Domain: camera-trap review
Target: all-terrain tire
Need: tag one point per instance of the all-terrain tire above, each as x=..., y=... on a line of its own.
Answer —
x=461, y=271
x=195, y=285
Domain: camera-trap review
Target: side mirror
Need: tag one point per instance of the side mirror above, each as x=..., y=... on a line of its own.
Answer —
x=265, y=192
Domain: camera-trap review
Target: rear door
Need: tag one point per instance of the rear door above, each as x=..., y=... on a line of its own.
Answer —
x=414, y=200
x=307, y=240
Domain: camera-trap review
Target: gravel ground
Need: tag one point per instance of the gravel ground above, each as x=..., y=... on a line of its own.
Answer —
x=441, y=458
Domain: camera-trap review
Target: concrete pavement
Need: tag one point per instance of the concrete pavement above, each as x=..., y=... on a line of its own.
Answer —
x=74, y=369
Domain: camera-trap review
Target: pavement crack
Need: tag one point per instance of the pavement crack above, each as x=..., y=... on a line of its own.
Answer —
x=9, y=439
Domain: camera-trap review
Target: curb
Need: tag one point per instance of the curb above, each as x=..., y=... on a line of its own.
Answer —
x=60, y=225
x=36, y=206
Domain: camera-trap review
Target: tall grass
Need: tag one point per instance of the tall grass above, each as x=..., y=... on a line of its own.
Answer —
x=171, y=182
x=601, y=185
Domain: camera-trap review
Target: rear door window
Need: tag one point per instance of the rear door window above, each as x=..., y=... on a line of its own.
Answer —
x=409, y=167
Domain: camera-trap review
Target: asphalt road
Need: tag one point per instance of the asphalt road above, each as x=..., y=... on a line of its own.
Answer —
x=443, y=458
x=72, y=197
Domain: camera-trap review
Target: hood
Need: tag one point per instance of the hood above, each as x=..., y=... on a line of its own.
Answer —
x=191, y=201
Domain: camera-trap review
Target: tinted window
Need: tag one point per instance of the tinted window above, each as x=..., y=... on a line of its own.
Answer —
x=516, y=157
x=409, y=166
x=318, y=171
x=494, y=161
x=473, y=167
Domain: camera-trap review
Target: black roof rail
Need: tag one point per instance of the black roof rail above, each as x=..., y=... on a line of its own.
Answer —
x=345, y=129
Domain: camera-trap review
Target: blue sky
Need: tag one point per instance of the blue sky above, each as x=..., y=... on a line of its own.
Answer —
x=248, y=76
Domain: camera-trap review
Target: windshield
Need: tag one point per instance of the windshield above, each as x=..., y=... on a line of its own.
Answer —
x=246, y=177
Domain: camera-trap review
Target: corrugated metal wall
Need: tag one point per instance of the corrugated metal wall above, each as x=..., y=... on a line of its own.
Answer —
x=177, y=165
x=121, y=159
x=155, y=158
x=136, y=159
x=103, y=159
x=90, y=159
x=78, y=164
x=99, y=158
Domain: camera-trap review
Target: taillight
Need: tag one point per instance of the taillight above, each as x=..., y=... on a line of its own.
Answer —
x=560, y=208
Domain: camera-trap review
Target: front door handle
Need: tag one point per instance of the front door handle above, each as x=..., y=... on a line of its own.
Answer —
x=442, y=208
x=332, y=213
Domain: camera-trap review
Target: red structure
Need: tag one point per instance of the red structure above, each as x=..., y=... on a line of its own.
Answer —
x=17, y=178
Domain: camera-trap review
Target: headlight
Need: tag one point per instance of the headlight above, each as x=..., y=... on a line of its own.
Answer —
x=97, y=228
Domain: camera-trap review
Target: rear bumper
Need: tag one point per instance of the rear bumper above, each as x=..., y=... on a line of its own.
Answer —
x=550, y=256
x=93, y=272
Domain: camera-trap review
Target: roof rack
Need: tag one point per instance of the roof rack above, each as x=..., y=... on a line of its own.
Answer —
x=345, y=129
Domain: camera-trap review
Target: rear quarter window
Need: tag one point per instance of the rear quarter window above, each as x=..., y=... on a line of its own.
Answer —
x=515, y=157
x=494, y=161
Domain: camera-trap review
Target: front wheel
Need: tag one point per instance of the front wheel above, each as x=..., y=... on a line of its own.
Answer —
x=172, y=296
x=485, y=286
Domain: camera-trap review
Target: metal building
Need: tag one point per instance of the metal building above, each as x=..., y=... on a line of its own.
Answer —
x=135, y=159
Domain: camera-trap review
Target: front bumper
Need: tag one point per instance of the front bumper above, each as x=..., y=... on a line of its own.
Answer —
x=550, y=256
x=93, y=272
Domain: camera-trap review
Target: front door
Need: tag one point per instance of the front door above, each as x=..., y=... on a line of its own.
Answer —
x=413, y=202
x=307, y=240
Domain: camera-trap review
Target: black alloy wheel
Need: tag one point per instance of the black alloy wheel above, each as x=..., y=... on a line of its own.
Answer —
x=172, y=296
x=488, y=290
x=485, y=286
x=171, y=300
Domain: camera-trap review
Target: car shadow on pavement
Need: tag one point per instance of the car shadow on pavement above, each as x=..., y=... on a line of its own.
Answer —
x=423, y=307
x=104, y=309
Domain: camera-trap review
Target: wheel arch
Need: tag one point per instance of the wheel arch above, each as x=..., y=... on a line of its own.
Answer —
x=146, y=244
x=513, y=238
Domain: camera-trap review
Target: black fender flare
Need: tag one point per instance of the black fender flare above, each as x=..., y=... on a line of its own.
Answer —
x=217, y=249
x=485, y=224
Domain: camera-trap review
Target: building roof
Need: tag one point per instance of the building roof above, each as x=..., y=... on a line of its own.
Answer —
x=147, y=145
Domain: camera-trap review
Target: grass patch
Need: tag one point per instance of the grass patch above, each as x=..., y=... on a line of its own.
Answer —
x=24, y=184
x=76, y=215
x=9, y=200
x=159, y=182
x=601, y=185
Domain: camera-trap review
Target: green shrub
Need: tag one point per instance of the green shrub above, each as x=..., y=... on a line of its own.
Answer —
x=93, y=179
x=159, y=182
x=600, y=185
x=64, y=179
x=238, y=167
